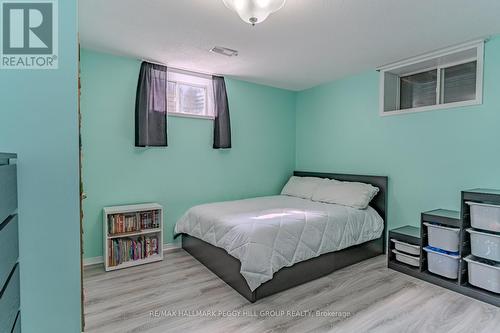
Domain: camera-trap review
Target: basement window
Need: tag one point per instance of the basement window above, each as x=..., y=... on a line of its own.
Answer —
x=439, y=80
x=190, y=94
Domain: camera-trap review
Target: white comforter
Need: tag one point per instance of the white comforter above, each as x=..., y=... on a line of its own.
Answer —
x=269, y=233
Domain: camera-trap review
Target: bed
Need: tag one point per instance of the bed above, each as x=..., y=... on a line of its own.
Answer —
x=261, y=246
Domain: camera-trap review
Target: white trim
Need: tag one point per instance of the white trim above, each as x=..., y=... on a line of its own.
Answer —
x=189, y=72
x=435, y=54
x=189, y=115
x=398, y=95
x=439, y=86
x=167, y=247
x=138, y=262
x=480, y=73
x=131, y=208
x=381, y=101
x=431, y=108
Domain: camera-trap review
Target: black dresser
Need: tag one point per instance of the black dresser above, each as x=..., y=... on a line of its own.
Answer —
x=10, y=316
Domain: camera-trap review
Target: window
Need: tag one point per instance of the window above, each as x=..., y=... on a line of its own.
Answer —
x=459, y=83
x=443, y=79
x=418, y=90
x=190, y=94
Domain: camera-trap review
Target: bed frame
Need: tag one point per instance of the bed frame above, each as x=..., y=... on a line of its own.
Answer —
x=227, y=267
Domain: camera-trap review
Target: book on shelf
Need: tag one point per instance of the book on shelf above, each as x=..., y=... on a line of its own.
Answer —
x=128, y=249
x=133, y=222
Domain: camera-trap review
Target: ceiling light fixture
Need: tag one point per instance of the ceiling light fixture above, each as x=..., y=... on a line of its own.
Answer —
x=254, y=11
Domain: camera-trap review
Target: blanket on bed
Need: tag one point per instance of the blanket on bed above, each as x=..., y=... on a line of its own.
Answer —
x=269, y=233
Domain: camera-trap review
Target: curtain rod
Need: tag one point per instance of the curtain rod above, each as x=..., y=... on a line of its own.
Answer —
x=180, y=69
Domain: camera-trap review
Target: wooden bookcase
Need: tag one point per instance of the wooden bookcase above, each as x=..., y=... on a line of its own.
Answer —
x=132, y=210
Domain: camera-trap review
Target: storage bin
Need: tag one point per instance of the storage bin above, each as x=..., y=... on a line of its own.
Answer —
x=406, y=248
x=444, y=238
x=442, y=263
x=484, y=216
x=484, y=274
x=406, y=258
x=485, y=245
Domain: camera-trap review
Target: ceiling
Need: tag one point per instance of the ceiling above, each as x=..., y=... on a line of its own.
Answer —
x=306, y=43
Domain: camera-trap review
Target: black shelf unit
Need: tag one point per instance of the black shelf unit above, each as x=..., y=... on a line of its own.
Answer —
x=418, y=236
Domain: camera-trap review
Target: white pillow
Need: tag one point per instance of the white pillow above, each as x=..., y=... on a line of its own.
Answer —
x=352, y=194
x=302, y=187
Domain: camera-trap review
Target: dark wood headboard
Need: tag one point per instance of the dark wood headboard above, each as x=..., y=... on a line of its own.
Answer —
x=379, y=203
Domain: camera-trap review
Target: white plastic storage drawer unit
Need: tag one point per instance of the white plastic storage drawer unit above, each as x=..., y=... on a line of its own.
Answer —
x=484, y=274
x=485, y=245
x=406, y=247
x=444, y=238
x=485, y=216
x=442, y=263
x=406, y=258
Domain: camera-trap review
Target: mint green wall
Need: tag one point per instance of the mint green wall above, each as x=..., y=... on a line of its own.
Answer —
x=38, y=120
x=189, y=171
x=428, y=156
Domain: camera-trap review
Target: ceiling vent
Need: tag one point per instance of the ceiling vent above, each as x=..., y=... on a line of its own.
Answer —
x=224, y=51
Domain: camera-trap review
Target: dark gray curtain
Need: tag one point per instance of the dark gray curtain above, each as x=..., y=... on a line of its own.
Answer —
x=222, y=122
x=151, y=106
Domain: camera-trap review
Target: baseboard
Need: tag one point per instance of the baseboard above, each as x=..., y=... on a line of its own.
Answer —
x=93, y=261
x=169, y=247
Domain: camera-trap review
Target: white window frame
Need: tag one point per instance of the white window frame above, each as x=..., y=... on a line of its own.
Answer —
x=209, y=103
x=478, y=45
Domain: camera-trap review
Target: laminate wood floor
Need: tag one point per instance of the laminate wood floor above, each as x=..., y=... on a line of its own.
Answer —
x=181, y=295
